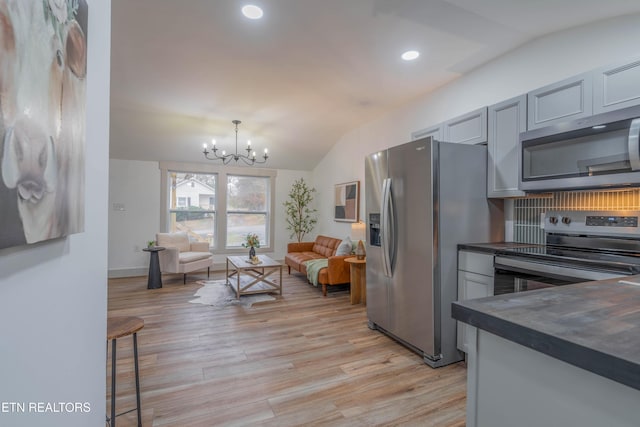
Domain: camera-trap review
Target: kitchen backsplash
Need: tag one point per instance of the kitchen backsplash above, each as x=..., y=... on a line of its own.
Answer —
x=527, y=211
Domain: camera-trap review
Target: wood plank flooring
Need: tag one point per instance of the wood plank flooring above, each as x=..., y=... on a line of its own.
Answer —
x=299, y=360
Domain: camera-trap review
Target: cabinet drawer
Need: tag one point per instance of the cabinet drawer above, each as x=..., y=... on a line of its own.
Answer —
x=476, y=262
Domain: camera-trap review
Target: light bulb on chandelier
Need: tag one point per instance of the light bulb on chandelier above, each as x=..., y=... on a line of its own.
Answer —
x=249, y=158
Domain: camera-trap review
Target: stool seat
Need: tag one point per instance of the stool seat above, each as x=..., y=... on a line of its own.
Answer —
x=118, y=327
x=121, y=326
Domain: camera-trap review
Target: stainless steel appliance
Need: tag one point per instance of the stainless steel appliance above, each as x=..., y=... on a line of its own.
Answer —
x=580, y=246
x=594, y=152
x=422, y=199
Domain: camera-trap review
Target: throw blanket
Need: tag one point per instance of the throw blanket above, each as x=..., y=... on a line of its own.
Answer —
x=313, y=268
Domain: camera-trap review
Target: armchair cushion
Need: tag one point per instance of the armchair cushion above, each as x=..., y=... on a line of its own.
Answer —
x=187, y=257
x=178, y=240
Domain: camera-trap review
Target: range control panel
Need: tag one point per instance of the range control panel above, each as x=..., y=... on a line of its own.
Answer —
x=612, y=223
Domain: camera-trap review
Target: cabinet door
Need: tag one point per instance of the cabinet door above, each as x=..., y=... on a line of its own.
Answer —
x=433, y=131
x=565, y=100
x=470, y=128
x=470, y=286
x=506, y=120
x=616, y=86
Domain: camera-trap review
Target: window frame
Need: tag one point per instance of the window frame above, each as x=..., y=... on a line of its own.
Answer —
x=220, y=242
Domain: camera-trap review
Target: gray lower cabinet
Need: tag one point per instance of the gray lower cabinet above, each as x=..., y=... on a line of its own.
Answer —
x=565, y=100
x=434, y=131
x=470, y=128
x=506, y=120
x=616, y=86
x=475, y=280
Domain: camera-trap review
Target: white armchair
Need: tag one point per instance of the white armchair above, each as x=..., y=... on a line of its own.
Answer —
x=182, y=256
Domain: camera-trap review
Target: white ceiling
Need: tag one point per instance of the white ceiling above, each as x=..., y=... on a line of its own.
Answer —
x=305, y=74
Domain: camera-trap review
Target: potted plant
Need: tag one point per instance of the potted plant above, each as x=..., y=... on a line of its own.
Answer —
x=251, y=241
x=301, y=218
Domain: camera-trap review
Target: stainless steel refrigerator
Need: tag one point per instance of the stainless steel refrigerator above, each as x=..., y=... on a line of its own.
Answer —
x=423, y=198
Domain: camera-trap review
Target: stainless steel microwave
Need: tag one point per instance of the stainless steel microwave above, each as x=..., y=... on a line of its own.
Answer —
x=601, y=151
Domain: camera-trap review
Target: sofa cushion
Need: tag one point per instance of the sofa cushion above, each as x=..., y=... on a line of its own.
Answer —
x=297, y=259
x=178, y=240
x=326, y=246
x=186, y=257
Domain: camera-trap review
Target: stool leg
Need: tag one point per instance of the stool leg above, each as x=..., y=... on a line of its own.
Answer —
x=113, y=383
x=135, y=355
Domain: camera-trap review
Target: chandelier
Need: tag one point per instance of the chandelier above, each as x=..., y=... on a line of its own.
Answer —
x=249, y=158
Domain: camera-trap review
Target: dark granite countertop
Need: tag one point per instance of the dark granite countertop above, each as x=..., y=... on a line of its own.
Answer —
x=591, y=325
x=495, y=247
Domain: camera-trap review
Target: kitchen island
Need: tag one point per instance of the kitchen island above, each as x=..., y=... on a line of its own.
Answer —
x=564, y=356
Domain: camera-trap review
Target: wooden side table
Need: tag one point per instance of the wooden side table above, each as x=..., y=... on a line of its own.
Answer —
x=118, y=327
x=155, y=276
x=358, y=270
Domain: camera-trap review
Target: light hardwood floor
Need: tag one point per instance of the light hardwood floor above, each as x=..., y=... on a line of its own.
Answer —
x=299, y=360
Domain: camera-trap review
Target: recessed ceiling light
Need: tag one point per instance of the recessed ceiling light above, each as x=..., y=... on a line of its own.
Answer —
x=410, y=55
x=251, y=11
x=596, y=127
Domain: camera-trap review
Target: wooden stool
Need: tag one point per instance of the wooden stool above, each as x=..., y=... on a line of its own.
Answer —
x=118, y=327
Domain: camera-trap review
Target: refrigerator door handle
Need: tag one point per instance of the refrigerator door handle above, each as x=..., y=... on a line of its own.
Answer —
x=391, y=231
x=384, y=226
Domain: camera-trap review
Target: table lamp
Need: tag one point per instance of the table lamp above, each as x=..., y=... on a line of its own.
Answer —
x=358, y=233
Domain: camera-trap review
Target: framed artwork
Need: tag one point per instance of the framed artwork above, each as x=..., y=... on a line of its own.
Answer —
x=346, y=204
x=42, y=119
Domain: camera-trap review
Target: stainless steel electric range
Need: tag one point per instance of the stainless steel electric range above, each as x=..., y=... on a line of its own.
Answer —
x=580, y=246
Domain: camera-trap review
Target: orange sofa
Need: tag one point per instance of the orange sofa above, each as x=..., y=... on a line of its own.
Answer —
x=336, y=273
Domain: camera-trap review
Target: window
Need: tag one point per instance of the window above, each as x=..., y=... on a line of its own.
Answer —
x=197, y=220
x=247, y=212
x=219, y=205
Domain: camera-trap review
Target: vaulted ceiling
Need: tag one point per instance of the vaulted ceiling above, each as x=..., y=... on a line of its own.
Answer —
x=306, y=73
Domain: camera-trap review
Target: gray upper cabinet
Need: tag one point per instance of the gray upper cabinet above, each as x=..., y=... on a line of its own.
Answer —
x=616, y=86
x=434, y=131
x=565, y=100
x=506, y=120
x=470, y=128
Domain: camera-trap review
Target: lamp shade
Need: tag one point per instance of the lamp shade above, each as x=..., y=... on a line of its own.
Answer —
x=358, y=234
x=358, y=231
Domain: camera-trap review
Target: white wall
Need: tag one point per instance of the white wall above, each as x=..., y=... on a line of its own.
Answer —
x=535, y=64
x=53, y=295
x=136, y=185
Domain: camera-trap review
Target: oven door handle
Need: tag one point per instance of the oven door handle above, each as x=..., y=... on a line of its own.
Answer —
x=556, y=271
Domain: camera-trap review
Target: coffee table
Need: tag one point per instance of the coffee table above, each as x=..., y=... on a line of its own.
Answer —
x=258, y=275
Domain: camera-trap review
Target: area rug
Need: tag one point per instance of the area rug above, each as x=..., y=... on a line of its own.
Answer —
x=218, y=293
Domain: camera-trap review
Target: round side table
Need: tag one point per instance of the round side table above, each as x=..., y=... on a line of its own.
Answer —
x=358, y=271
x=155, y=276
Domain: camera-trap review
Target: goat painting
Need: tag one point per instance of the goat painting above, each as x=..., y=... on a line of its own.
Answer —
x=43, y=64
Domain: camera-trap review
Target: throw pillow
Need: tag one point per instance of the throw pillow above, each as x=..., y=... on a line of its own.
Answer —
x=344, y=248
